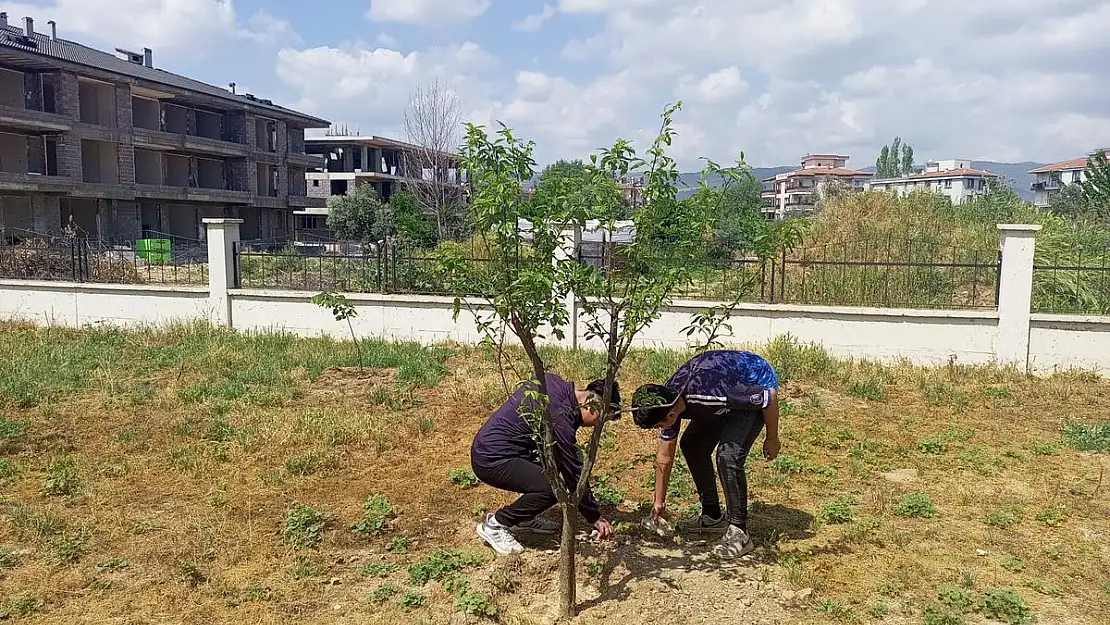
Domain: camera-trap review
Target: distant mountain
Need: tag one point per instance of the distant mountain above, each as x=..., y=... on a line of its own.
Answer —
x=1014, y=175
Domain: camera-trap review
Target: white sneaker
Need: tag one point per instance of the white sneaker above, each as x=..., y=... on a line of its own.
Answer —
x=734, y=543
x=498, y=536
x=538, y=525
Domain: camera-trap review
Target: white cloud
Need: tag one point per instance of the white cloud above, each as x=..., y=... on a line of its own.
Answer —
x=179, y=26
x=386, y=40
x=716, y=87
x=535, y=20
x=263, y=27
x=424, y=11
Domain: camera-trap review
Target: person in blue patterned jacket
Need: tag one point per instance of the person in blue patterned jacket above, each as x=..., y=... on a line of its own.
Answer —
x=727, y=396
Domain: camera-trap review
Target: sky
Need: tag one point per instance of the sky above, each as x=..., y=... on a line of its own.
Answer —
x=1004, y=80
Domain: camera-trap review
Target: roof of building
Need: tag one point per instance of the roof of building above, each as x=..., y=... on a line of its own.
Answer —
x=367, y=140
x=13, y=37
x=819, y=171
x=961, y=172
x=1075, y=163
x=841, y=157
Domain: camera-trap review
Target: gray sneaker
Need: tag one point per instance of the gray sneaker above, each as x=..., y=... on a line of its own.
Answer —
x=498, y=536
x=734, y=543
x=701, y=524
x=538, y=525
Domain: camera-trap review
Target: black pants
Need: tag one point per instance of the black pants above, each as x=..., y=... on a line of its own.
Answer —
x=518, y=476
x=733, y=434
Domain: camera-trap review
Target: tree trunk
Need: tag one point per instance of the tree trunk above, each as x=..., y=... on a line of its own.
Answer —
x=567, y=589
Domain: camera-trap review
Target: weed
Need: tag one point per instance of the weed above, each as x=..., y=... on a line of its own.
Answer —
x=255, y=591
x=440, y=564
x=384, y=592
x=456, y=584
x=310, y=463
x=915, y=505
x=504, y=583
x=956, y=599
x=786, y=463
x=67, y=549
x=593, y=568
x=891, y=587
x=219, y=430
x=140, y=527
x=377, y=514
x=1052, y=516
x=8, y=470
x=23, y=606
x=870, y=389
x=399, y=544
x=114, y=563
x=303, y=526
x=32, y=521
x=605, y=492
x=62, y=478
x=479, y=510
x=8, y=560
x=476, y=604
x=376, y=569
x=1004, y=517
x=943, y=393
x=462, y=477
x=936, y=614
x=11, y=429
x=305, y=567
x=863, y=529
x=840, y=510
x=877, y=610
x=793, y=359
x=1013, y=564
x=932, y=445
x=412, y=599
x=865, y=450
x=1046, y=449
x=190, y=573
x=1045, y=588
x=1005, y=605
x=998, y=392
x=1087, y=437
x=426, y=424
x=835, y=609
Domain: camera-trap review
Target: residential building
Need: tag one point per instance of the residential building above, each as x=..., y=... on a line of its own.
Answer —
x=795, y=193
x=113, y=146
x=1052, y=178
x=954, y=178
x=349, y=160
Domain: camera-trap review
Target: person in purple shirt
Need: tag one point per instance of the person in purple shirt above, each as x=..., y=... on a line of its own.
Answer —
x=504, y=455
x=727, y=396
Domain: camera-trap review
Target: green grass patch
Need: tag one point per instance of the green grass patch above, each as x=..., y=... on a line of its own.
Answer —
x=303, y=526
x=840, y=510
x=915, y=505
x=377, y=516
x=1087, y=436
x=442, y=563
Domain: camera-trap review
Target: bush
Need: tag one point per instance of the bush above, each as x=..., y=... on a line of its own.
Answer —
x=1005, y=605
x=463, y=477
x=303, y=526
x=377, y=513
x=839, y=510
x=476, y=604
x=915, y=505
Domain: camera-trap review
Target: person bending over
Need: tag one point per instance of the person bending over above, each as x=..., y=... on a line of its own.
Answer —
x=727, y=396
x=505, y=455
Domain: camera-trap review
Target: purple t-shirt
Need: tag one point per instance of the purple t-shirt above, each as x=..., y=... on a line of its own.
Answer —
x=722, y=381
x=507, y=435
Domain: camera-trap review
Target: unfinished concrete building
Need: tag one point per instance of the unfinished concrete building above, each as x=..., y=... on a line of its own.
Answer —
x=116, y=149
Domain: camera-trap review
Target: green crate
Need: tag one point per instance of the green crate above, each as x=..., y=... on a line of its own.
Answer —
x=153, y=250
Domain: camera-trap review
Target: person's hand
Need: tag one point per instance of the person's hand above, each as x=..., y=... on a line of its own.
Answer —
x=771, y=448
x=604, y=529
x=658, y=509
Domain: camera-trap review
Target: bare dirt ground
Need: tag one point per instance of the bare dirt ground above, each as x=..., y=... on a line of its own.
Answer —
x=181, y=476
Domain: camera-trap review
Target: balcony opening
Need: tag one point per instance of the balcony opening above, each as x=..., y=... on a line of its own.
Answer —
x=210, y=174
x=267, y=180
x=13, y=154
x=209, y=125
x=99, y=161
x=146, y=113
x=98, y=103
x=50, y=147
x=175, y=119
x=265, y=134
x=148, y=167
x=177, y=170
x=11, y=88
x=49, y=93
x=339, y=187
x=298, y=185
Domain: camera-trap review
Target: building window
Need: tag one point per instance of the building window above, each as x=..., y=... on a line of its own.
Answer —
x=1077, y=177
x=315, y=183
x=948, y=184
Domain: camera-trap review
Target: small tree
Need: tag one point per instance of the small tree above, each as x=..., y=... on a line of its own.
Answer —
x=895, y=160
x=414, y=226
x=535, y=269
x=359, y=215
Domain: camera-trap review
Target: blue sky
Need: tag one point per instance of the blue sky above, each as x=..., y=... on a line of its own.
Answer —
x=1004, y=80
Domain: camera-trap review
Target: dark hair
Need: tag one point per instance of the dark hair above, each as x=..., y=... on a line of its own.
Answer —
x=597, y=387
x=650, y=405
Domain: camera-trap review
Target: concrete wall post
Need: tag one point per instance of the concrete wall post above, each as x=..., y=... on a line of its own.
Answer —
x=1018, y=244
x=222, y=235
x=571, y=242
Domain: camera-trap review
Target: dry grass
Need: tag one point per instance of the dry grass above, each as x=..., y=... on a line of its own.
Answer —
x=186, y=448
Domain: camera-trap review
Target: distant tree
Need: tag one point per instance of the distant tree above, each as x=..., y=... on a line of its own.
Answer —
x=359, y=215
x=1071, y=202
x=573, y=181
x=739, y=218
x=414, y=225
x=895, y=160
x=433, y=124
x=1096, y=184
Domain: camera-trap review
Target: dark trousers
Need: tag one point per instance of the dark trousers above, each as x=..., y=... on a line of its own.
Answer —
x=733, y=435
x=517, y=476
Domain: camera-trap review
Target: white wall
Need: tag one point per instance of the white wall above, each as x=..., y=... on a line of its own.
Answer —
x=1068, y=341
x=72, y=304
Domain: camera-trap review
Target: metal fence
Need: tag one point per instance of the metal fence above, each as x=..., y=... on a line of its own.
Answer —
x=1072, y=280
x=118, y=261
